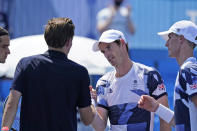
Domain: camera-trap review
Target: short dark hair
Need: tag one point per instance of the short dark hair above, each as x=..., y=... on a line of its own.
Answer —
x=3, y=31
x=58, y=31
x=118, y=43
x=191, y=44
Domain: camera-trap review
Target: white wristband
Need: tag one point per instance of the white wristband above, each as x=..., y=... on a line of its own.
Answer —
x=165, y=113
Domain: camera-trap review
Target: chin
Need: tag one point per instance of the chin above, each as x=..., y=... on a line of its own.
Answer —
x=2, y=61
x=112, y=64
x=171, y=56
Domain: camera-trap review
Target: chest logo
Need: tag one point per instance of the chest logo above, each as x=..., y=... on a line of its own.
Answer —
x=134, y=84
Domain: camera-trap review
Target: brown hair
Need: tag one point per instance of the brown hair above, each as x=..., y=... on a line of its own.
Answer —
x=118, y=43
x=58, y=31
x=191, y=44
x=3, y=31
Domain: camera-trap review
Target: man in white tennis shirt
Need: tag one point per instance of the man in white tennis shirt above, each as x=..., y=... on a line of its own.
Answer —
x=181, y=39
x=119, y=90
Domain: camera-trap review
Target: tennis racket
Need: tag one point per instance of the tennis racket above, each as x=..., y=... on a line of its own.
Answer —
x=16, y=123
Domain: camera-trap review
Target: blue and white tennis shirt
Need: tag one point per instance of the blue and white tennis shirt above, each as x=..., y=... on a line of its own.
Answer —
x=120, y=96
x=186, y=87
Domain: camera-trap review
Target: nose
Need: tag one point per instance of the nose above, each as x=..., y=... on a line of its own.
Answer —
x=106, y=54
x=166, y=44
x=8, y=51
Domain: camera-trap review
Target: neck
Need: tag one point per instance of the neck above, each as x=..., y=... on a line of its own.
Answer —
x=184, y=55
x=183, y=59
x=58, y=49
x=124, y=68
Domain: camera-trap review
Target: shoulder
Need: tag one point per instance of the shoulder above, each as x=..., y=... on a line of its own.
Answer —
x=27, y=60
x=189, y=68
x=107, y=76
x=105, y=79
x=103, y=83
x=145, y=68
x=77, y=66
x=104, y=11
x=80, y=70
x=152, y=75
x=124, y=11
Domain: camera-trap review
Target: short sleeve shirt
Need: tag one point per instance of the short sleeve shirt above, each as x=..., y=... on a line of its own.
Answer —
x=119, y=96
x=185, y=88
x=52, y=88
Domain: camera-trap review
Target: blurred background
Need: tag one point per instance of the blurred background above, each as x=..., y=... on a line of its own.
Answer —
x=28, y=17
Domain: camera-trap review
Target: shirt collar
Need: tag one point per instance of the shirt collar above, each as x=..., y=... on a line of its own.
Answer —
x=192, y=59
x=56, y=54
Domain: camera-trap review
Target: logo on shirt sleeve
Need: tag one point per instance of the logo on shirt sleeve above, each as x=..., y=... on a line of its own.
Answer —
x=100, y=90
x=102, y=87
x=161, y=87
x=193, y=87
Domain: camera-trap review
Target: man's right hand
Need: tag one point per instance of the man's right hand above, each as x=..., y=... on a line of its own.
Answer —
x=148, y=103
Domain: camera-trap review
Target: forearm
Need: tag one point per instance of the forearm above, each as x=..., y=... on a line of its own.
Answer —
x=172, y=122
x=164, y=112
x=87, y=114
x=104, y=25
x=98, y=123
x=100, y=120
x=130, y=26
x=9, y=115
x=166, y=117
x=194, y=100
x=164, y=126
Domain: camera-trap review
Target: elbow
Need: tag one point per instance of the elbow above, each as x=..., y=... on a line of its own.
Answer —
x=132, y=30
x=98, y=124
x=86, y=122
x=11, y=106
x=101, y=29
x=99, y=127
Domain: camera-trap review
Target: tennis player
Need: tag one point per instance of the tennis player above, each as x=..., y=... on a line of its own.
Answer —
x=181, y=39
x=52, y=86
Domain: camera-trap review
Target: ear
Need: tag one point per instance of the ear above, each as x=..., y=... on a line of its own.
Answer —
x=69, y=42
x=182, y=39
x=122, y=41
